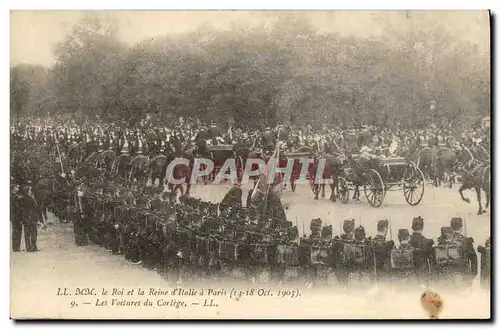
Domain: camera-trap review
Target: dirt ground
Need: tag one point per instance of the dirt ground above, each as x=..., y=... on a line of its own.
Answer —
x=36, y=277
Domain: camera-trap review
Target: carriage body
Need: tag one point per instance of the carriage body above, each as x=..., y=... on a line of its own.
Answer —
x=299, y=159
x=377, y=175
x=220, y=154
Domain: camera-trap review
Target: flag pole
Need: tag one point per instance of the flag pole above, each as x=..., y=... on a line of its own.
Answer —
x=276, y=152
x=59, y=153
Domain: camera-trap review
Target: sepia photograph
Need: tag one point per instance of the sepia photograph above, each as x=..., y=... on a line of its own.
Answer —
x=237, y=164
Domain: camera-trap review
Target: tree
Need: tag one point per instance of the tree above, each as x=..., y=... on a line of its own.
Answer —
x=88, y=60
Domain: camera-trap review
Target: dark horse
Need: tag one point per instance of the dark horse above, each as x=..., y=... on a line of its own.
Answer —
x=331, y=170
x=445, y=160
x=158, y=168
x=436, y=163
x=477, y=176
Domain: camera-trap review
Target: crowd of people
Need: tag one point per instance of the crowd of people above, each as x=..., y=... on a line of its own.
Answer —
x=190, y=238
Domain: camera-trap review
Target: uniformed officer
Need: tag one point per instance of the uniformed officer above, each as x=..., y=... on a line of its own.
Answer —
x=348, y=228
x=342, y=268
x=423, y=249
x=381, y=249
x=16, y=218
x=404, y=238
x=485, y=264
x=446, y=236
x=360, y=234
x=82, y=217
x=467, y=243
x=30, y=217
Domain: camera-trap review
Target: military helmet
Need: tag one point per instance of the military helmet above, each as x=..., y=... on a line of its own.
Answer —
x=315, y=224
x=446, y=230
x=456, y=223
x=348, y=225
x=417, y=224
x=359, y=233
x=403, y=234
x=327, y=232
x=382, y=225
x=293, y=233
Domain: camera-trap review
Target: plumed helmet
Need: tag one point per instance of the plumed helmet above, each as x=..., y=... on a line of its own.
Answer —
x=293, y=233
x=327, y=232
x=446, y=230
x=382, y=225
x=359, y=233
x=456, y=223
x=348, y=225
x=315, y=224
x=403, y=234
x=417, y=224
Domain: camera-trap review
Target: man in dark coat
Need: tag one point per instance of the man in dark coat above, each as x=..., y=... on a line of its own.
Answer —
x=381, y=249
x=30, y=217
x=16, y=218
x=456, y=225
x=423, y=248
x=485, y=264
x=83, y=216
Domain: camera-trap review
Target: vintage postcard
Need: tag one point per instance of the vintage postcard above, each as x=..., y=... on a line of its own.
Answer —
x=250, y=165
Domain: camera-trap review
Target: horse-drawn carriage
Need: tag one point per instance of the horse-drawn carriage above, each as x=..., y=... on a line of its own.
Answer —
x=300, y=159
x=377, y=175
x=220, y=154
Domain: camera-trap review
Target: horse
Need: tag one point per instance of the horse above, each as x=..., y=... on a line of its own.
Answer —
x=332, y=169
x=122, y=166
x=106, y=161
x=424, y=160
x=139, y=169
x=444, y=162
x=478, y=176
x=436, y=163
x=181, y=171
x=158, y=168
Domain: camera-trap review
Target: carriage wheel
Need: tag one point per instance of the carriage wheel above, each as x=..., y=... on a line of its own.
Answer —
x=374, y=188
x=343, y=190
x=414, y=186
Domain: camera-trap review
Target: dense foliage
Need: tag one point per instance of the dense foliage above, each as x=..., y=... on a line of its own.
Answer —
x=288, y=72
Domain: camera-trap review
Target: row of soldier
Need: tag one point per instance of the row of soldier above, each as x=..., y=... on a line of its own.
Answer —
x=191, y=239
